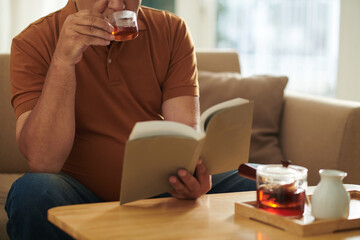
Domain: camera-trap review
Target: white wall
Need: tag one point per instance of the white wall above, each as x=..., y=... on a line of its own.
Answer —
x=4, y=26
x=16, y=15
x=200, y=16
x=349, y=51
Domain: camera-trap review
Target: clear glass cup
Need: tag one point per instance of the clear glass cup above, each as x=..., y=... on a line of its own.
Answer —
x=125, y=25
x=281, y=190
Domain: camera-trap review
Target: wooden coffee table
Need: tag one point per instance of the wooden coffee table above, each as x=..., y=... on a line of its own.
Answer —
x=209, y=217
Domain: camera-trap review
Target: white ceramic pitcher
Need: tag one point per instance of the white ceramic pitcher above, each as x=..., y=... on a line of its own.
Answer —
x=330, y=198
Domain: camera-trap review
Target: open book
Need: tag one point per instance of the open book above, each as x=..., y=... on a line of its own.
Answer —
x=157, y=149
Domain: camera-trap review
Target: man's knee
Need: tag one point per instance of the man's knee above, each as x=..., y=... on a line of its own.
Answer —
x=33, y=191
x=28, y=201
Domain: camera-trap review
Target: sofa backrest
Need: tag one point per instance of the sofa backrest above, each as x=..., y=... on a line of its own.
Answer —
x=11, y=160
x=218, y=60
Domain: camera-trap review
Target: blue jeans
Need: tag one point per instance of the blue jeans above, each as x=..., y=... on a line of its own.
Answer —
x=227, y=182
x=33, y=194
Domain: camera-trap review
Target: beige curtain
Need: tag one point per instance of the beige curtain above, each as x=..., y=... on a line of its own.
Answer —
x=16, y=15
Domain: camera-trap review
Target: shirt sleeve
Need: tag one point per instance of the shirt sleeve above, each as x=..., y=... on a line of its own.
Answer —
x=28, y=68
x=181, y=79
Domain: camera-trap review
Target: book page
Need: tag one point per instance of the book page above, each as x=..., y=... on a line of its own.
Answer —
x=209, y=113
x=163, y=128
x=227, y=141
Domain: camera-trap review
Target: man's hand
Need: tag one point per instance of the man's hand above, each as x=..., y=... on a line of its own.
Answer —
x=80, y=30
x=186, y=186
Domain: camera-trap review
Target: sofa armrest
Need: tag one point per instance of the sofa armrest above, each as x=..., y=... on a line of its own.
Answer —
x=319, y=132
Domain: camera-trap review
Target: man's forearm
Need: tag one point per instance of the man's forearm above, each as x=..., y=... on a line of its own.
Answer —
x=47, y=136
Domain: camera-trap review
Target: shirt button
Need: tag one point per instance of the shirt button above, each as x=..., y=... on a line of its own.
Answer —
x=109, y=61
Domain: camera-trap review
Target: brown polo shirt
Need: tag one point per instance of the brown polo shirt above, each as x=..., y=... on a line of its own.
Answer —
x=116, y=87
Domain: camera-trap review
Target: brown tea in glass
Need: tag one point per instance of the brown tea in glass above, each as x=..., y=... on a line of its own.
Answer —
x=281, y=201
x=281, y=190
x=124, y=24
x=125, y=33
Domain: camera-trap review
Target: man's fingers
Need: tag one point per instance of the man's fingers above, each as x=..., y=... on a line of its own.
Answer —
x=190, y=182
x=186, y=186
x=80, y=30
x=91, y=40
x=93, y=21
x=202, y=175
x=178, y=186
x=90, y=24
x=95, y=32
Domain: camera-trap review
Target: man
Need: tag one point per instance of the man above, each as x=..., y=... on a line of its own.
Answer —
x=77, y=95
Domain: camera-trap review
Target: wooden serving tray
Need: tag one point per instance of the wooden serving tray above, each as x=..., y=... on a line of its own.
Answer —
x=307, y=225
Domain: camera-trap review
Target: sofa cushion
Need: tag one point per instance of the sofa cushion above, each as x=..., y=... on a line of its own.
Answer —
x=268, y=95
x=11, y=160
x=6, y=180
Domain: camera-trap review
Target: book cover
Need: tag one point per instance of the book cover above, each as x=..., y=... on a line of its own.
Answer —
x=157, y=149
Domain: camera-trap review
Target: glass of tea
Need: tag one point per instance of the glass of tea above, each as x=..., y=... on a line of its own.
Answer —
x=281, y=190
x=125, y=25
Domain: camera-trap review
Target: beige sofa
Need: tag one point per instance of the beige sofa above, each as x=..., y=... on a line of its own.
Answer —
x=315, y=132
